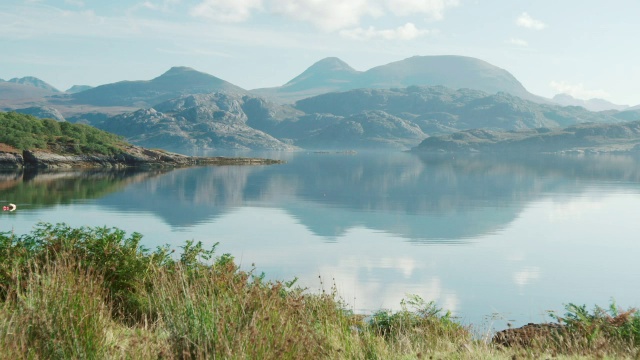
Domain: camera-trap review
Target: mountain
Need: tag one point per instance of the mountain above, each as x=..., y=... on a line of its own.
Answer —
x=200, y=121
x=591, y=138
x=327, y=75
x=355, y=119
x=176, y=82
x=34, y=143
x=78, y=88
x=10, y=92
x=332, y=74
x=370, y=129
x=440, y=109
x=591, y=104
x=35, y=82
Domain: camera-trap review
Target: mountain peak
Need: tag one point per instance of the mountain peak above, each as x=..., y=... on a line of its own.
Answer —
x=35, y=82
x=78, y=88
x=175, y=82
x=328, y=72
x=331, y=64
x=177, y=70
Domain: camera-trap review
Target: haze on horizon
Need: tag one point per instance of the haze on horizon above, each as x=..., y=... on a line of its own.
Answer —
x=583, y=49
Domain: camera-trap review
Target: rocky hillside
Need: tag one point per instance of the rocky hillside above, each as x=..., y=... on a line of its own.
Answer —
x=427, y=111
x=362, y=118
x=204, y=121
x=30, y=142
x=589, y=138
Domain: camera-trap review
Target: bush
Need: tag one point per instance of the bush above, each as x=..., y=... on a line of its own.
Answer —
x=26, y=132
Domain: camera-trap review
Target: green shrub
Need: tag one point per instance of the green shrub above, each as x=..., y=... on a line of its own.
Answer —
x=121, y=262
x=612, y=325
x=26, y=132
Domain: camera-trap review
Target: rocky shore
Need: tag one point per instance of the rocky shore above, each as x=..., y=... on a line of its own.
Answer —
x=133, y=156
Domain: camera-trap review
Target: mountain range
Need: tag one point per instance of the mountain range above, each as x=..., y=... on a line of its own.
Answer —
x=591, y=104
x=329, y=105
x=333, y=74
x=362, y=118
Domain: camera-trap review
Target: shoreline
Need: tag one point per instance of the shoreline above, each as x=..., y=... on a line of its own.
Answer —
x=132, y=156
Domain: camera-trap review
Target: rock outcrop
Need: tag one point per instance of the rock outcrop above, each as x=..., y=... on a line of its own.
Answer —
x=133, y=156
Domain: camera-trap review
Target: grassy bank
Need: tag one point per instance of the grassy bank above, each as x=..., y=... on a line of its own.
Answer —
x=26, y=132
x=96, y=293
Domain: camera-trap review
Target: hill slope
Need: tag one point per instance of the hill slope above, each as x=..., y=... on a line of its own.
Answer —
x=362, y=118
x=27, y=141
x=201, y=121
x=620, y=137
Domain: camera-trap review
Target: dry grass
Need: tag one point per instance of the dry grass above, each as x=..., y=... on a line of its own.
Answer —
x=94, y=293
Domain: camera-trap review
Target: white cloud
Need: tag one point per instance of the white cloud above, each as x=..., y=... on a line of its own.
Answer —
x=578, y=91
x=328, y=15
x=525, y=20
x=226, y=10
x=78, y=3
x=518, y=42
x=407, y=31
x=433, y=8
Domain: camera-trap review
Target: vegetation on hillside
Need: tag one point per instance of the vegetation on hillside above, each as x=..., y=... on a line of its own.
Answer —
x=26, y=132
x=95, y=293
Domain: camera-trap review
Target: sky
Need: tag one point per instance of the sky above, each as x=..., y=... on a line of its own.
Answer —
x=584, y=48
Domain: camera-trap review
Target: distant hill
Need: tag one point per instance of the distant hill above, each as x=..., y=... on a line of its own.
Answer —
x=35, y=82
x=12, y=91
x=451, y=109
x=173, y=83
x=42, y=112
x=619, y=137
x=332, y=74
x=591, y=104
x=363, y=118
x=327, y=75
x=201, y=121
x=78, y=88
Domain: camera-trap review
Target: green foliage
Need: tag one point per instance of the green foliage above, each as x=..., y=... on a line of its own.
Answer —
x=26, y=132
x=609, y=325
x=416, y=313
x=60, y=314
x=121, y=262
x=97, y=293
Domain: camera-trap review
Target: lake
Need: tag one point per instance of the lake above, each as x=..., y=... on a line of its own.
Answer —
x=493, y=239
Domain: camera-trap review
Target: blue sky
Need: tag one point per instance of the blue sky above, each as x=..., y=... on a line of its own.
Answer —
x=585, y=48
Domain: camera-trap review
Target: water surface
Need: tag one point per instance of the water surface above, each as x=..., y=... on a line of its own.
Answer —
x=492, y=239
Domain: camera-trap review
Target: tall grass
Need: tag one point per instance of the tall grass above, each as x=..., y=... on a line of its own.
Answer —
x=93, y=293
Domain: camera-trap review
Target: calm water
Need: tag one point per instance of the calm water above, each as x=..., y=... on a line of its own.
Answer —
x=493, y=240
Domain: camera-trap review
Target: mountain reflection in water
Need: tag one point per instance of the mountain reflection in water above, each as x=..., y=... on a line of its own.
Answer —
x=527, y=230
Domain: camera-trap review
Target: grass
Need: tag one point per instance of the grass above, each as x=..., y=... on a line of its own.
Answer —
x=77, y=293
